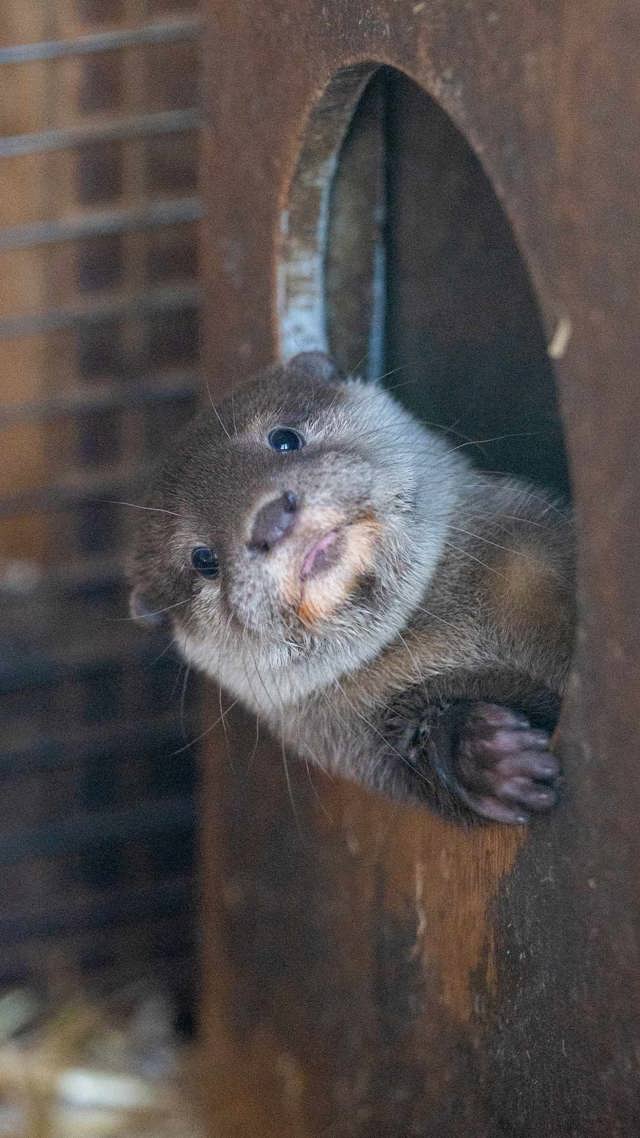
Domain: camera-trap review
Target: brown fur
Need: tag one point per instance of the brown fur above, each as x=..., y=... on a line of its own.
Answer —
x=454, y=589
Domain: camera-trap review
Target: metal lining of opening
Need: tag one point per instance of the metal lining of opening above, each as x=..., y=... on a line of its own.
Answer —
x=99, y=350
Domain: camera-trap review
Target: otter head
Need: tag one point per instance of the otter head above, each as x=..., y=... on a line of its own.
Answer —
x=293, y=530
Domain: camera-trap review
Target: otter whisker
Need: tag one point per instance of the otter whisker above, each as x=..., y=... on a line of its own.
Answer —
x=353, y=371
x=255, y=745
x=386, y=374
x=269, y=696
x=435, y=616
x=513, y=549
x=386, y=741
x=410, y=655
x=498, y=524
x=223, y=723
x=313, y=786
x=215, y=411
x=233, y=410
x=528, y=493
x=136, y=505
x=173, y=642
x=183, y=698
x=208, y=731
x=471, y=556
x=156, y=612
x=288, y=780
x=493, y=439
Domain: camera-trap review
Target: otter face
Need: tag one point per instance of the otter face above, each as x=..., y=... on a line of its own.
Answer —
x=293, y=530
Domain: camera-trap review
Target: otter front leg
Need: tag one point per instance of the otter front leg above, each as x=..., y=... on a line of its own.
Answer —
x=484, y=756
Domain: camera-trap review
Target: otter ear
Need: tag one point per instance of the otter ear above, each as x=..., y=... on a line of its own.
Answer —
x=143, y=611
x=315, y=365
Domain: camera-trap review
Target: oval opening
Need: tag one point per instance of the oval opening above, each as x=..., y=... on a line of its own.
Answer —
x=400, y=260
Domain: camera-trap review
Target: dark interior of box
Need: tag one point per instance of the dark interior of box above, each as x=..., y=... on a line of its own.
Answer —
x=425, y=285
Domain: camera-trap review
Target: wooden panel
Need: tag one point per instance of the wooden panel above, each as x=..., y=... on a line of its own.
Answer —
x=377, y=971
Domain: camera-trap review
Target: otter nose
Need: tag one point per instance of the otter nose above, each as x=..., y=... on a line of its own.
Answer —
x=273, y=521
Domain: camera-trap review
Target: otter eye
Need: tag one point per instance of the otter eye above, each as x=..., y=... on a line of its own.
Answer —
x=204, y=561
x=285, y=439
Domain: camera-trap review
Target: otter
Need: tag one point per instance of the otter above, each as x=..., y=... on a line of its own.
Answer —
x=392, y=613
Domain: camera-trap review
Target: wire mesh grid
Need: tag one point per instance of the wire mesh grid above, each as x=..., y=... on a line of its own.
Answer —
x=99, y=354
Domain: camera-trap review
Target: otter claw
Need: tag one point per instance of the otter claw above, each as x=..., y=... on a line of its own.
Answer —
x=503, y=768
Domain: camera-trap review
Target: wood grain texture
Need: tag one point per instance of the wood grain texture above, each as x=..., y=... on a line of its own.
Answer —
x=378, y=972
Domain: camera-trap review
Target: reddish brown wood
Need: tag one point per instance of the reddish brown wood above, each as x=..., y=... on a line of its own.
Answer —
x=378, y=972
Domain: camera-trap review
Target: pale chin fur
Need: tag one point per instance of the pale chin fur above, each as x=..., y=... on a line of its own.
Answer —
x=269, y=677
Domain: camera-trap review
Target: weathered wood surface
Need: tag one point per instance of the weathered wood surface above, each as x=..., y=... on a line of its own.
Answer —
x=370, y=971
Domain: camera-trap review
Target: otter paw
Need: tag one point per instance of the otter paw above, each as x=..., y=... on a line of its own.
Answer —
x=504, y=770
